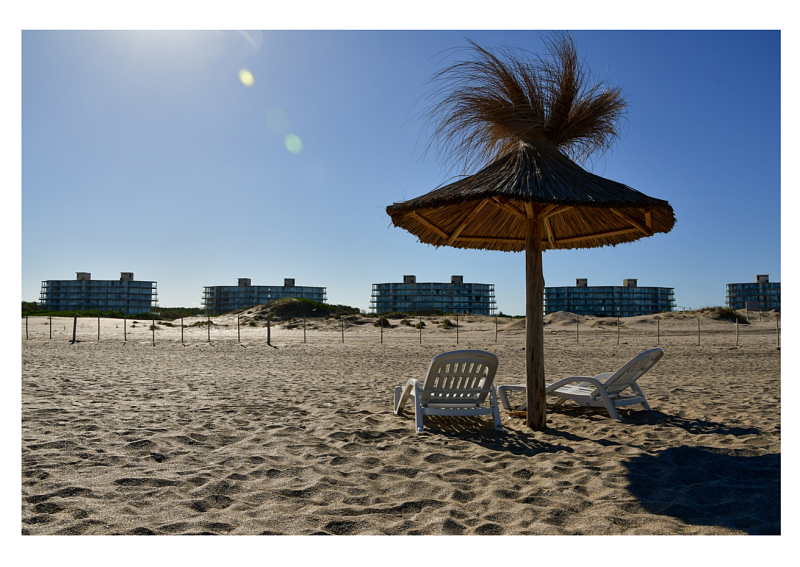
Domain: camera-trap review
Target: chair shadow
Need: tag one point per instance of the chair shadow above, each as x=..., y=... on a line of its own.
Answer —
x=482, y=432
x=710, y=486
x=652, y=417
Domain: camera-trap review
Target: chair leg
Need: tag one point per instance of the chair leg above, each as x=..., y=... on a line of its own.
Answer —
x=495, y=410
x=417, y=409
x=612, y=411
x=501, y=393
x=635, y=387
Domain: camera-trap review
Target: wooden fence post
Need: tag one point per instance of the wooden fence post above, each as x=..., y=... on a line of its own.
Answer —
x=208, y=325
x=238, y=331
x=153, y=328
x=495, y=328
x=74, y=328
x=304, y=328
x=658, y=331
x=51, y=327
x=342, y=328
x=420, y=329
x=778, y=330
x=125, y=326
x=617, y=330
x=26, y=327
x=456, y=327
x=698, y=329
x=181, y=330
x=269, y=332
x=577, y=330
x=98, y=328
x=737, y=332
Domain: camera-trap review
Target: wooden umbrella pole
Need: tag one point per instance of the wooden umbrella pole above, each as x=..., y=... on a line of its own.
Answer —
x=534, y=317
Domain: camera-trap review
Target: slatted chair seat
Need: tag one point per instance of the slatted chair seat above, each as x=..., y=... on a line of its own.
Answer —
x=457, y=384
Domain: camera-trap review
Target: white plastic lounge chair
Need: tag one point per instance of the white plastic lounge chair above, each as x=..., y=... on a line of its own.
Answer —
x=604, y=390
x=457, y=383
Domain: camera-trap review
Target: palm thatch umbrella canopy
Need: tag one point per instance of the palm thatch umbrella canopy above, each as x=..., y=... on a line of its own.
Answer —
x=526, y=117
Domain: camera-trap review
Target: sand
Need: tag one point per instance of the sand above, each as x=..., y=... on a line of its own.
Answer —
x=229, y=437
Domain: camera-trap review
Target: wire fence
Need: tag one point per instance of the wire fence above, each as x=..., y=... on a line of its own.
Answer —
x=301, y=331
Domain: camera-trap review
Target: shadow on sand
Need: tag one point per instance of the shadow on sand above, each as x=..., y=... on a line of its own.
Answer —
x=481, y=432
x=710, y=486
x=693, y=426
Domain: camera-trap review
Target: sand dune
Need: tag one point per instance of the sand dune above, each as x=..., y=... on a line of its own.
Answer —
x=224, y=437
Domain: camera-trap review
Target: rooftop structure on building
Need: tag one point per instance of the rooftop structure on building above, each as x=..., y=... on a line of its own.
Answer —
x=223, y=299
x=85, y=294
x=762, y=295
x=627, y=300
x=413, y=297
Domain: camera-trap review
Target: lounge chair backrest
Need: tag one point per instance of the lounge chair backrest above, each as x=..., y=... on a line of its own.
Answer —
x=462, y=377
x=632, y=371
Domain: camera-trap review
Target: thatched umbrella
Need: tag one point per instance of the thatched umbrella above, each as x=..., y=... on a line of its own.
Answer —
x=523, y=115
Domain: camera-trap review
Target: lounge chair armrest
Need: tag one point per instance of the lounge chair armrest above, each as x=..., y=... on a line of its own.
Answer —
x=604, y=376
x=402, y=393
x=564, y=381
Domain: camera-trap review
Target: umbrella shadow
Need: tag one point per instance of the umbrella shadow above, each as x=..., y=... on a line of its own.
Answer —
x=710, y=486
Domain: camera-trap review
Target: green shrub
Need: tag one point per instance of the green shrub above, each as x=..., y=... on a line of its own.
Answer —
x=728, y=314
x=446, y=324
x=382, y=322
x=396, y=315
x=172, y=313
x=420, y=325
x=405, y=322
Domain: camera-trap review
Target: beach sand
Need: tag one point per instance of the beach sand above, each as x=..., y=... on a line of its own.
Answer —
x=224, y=437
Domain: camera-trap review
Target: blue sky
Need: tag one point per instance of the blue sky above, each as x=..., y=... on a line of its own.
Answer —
x=145, y=152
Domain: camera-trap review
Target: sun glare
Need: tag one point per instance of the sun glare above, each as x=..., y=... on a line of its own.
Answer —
x=293, y=143
x=246, y=77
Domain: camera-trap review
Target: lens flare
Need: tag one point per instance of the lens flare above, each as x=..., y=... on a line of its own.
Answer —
x=277, y=121
x=246, y=77
x=247, y=42
x=293, y=143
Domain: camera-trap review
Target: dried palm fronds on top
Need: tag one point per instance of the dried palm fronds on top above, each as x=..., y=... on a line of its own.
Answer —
x=487, y=107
